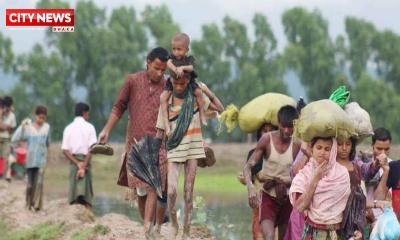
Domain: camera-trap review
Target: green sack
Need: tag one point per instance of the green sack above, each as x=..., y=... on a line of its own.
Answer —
x=323, y=118
x=261, y=110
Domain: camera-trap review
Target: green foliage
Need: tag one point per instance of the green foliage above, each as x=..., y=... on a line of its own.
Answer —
x=6, y=53
x=158, y=20
x=5, y=230
x=90, y=233
x=199, y=211
x=92, y=63
x=360, y=34
x=381, y=101
x=43, y=231
x=310, y=51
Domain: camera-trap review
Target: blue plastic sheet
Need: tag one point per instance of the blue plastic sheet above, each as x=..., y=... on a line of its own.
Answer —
x=387, y=226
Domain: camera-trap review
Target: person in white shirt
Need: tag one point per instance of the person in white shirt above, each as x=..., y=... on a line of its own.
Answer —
x=7, y=124
x=78, y=136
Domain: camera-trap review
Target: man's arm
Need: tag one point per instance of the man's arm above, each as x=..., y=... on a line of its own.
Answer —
x=215, y=104
x=18, y=134
x=120, y=105
x=70, y=157
x=368, y=169
x=261, y=149
x=105, y=133
x=382, y=189
x=296, y=149
x=257, y=155
x=87, y=160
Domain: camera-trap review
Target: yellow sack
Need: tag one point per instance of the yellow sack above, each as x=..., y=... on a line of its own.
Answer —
x=323, y=118
x=229, y=117
x=261, y=110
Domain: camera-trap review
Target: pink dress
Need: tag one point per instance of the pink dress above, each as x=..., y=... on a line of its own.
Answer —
x=296, y=221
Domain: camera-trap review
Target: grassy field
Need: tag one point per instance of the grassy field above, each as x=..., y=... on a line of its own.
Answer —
x=43, y=231
x=217, y=180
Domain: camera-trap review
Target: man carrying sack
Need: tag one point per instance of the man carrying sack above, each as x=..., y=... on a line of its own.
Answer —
x=279, y=151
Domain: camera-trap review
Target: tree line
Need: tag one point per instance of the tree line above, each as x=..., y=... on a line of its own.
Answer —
x=237, y=64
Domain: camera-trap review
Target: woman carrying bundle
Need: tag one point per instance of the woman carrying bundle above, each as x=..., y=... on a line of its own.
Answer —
x=321, y=190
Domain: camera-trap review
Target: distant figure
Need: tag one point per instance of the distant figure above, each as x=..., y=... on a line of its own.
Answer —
x=7, y=124
x=78, y=136
x=37, y=136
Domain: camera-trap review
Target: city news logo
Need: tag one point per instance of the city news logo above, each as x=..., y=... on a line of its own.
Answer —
x=61, y=20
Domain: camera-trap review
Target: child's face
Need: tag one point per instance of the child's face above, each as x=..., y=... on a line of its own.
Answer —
x=40, y=118
x=179, y=49
x=344, y=148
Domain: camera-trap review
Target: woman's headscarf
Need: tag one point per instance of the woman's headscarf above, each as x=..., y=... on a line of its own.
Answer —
x=332, y=191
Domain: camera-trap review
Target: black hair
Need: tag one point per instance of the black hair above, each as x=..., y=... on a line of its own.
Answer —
x=286, y=115
x=352, y=154
x=259, y=132
x=1, y=103
x=80, y=108
x=314, y=140
x=300, y=104
x=41, y=110
x=7, y=101
x=158, y=52
x=381, y=134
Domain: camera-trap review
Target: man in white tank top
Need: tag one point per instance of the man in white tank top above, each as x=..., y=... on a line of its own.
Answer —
x=277, y=150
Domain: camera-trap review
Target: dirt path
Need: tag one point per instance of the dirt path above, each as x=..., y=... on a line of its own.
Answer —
x=74, y=218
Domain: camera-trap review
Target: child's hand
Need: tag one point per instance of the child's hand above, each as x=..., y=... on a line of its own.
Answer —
x=179, y=71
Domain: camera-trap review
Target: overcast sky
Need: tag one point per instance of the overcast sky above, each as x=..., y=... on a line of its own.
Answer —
x=192, y=14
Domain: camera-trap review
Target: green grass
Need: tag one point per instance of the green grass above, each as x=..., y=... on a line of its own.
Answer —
x=4, y=230
x=43, y=231
x=216, y=184
x=89, y=233
x=219, y=179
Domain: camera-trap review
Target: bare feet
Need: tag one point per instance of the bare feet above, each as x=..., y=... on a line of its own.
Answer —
x=147, y=232
x=186, y=233
x=157, y=232
x=174, y=227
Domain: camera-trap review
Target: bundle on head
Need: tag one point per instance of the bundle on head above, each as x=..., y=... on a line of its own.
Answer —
x=262, y=109
x=323, y=118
